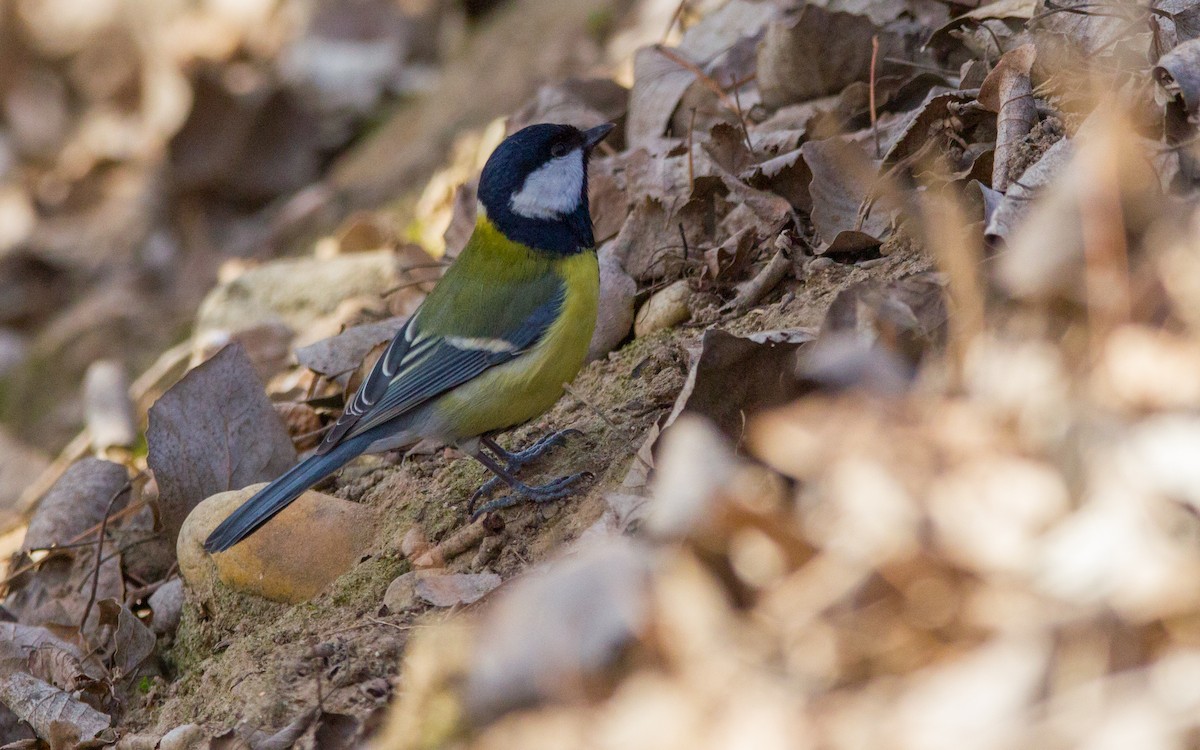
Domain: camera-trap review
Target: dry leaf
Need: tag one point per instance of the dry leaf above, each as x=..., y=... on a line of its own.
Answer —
x=215, y=430
x=133, y=643
x=340, y=354
x=1007, y=91
x=1017, y=202
x=796, y=62
x=843, y=182
x=43, y=705
x=75, y=503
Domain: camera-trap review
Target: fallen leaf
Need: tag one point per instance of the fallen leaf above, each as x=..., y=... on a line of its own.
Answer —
x=732, y=377
x=844, y=179
x=1001, y=10
x=133, y=642
x=213, y=431
x=796, y=62
x=43, y=654
x=42, y=706
x=344, y=352
x=614, y=318
x=1016, y=203
x=75, y=503
x=582, y=102
x=648, y=246
x=1008, y=92
x=659, y=82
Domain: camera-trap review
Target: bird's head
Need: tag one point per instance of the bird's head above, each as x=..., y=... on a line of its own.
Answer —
x=534, y=187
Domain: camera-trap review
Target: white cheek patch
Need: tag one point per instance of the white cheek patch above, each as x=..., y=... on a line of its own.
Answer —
x=552, y=190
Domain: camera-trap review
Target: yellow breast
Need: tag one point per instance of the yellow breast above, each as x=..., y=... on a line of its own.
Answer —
x=529, y=385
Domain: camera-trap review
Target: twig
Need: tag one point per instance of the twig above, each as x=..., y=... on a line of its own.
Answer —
x=695, y=70
x=737, y=100
x=871, y=95
x=674, y=17
x=763, y=282
x=683, y=239
x=128, y=485
x=123, y=513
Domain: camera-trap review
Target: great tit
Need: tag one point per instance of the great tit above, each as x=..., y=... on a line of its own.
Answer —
x=494, y=342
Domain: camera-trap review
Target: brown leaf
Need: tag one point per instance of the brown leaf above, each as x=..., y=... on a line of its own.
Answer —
x=648, y=245
x=796, y=61
x=787, y=175
x=40, y=652
x=213, y=431
x=876, y=334
x=582, y=102
x=133, y=643
x=659, y=82
x=732, y=377
x=729, y=259
x=1001, y=10
x=344, y=352
x=1008, y=92
x=1017, y=202
x=917, y=126
x=843, y=180
x=42, y=705
x=75, y=503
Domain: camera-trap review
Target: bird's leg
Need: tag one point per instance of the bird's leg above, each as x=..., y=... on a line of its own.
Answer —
x=513, y=462
x=544, y=493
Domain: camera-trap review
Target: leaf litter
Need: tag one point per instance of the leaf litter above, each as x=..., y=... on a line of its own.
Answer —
x=901, y=452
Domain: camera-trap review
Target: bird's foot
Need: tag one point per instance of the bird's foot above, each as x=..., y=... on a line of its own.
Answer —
x=513, y=462
x=544, y=493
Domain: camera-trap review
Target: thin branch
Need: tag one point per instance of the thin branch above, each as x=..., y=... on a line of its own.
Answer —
x=126, y=487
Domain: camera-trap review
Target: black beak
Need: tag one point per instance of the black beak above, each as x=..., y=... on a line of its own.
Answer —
x=595, y=135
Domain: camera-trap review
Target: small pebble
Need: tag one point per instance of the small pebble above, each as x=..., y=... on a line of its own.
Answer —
x=666, y=308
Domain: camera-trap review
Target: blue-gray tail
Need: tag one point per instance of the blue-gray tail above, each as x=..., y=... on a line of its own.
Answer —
x=277, y=495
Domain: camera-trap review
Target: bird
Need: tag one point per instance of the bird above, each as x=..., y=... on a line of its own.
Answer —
x=491, y=346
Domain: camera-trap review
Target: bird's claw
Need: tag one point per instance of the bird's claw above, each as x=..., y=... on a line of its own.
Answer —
x=514, y=462
x=555, y=490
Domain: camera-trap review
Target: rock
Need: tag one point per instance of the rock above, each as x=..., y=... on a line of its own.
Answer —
x=186, y=737
x=401, y=593
x=167, y=605
x=292, y=558
x=284, y=292
x=666, y=308
x=615, y=315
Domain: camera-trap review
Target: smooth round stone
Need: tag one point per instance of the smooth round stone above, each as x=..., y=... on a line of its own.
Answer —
x=292, y=558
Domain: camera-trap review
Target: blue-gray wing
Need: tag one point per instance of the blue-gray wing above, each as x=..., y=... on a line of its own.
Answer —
x=416, y=368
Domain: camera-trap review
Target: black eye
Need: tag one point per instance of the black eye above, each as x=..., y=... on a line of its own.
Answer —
x=558, y=149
